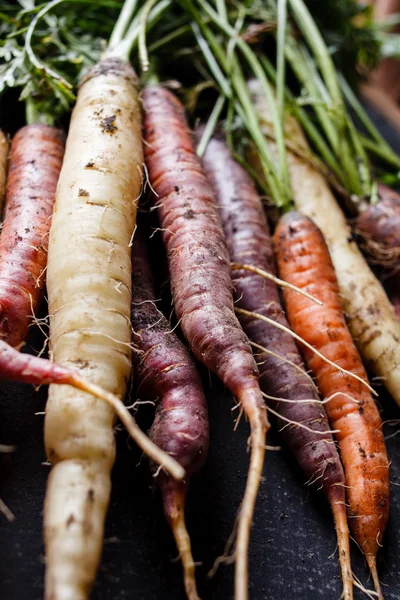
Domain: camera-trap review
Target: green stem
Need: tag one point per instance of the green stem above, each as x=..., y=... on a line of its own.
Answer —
x=211, y=61
x=315, y=40
x=221, y=7
x=260, y=75
x=307, y=124
x=280, y=59
x=365, y=120
x=170, y=37
x=143, y=55
x=211, y=125
x=125, y=47
x=244, y=107
x=122, y=23
x=33, y=116
x=389, y=157
x=301, y=67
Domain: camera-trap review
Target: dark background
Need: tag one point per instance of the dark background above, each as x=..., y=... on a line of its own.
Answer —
x=292, y=552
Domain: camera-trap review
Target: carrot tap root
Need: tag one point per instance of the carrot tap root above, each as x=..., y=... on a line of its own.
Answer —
x=337, y=501
x=174, y=496
x=259, y=427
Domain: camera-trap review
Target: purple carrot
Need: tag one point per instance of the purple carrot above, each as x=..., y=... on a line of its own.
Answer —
x=281, y=374
x=379, y=228
x=166, y=373
x=201, y=283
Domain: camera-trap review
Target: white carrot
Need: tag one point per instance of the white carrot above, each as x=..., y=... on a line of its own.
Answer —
x=89, y=290
x=371, y=316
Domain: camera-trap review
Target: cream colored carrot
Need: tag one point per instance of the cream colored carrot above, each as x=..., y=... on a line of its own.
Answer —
x=89, y=290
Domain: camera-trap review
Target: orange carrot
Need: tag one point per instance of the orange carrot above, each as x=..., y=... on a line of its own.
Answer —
x=304, y=260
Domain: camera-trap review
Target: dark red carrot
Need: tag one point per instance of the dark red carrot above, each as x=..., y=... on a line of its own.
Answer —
x=15, y=366
x=33, y=169
x=166, y=374
x=201, y=282
x=249, y=242
x=379, y=229
x=304, y=260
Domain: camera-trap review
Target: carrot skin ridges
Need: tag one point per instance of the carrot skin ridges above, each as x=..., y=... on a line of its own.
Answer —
x=200, y=278
x=371, y=317
x=303, y=259
x=249, y=242
x=89, y=288
x=166, y=373
x=202, y=292
x=15, y=366
x=3, y=168
x=34, y=166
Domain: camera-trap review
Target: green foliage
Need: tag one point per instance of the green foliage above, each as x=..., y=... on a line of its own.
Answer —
x=350, y=33
x=65, y=42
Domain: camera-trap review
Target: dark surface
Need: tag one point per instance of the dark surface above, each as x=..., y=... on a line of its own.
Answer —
x=292, y=553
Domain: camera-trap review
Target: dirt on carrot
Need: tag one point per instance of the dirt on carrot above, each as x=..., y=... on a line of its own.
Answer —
x=379, y=229
x=89, y=289
x=289, y=389
x=165, y=373
x=304, y=260
x=201, y=282
x=33, y=169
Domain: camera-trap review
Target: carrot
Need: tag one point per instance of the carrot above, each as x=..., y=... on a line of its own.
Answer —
x=89, y=289
x=303, y=260
x=166, y=374
x=371, y=317
x=3, y=167
x=379, y=228
x=34, y=166
x=201, y=283
x=281, y=371
x=15, y=366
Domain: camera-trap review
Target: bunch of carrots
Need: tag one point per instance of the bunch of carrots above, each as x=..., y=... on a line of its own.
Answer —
x=288, y=321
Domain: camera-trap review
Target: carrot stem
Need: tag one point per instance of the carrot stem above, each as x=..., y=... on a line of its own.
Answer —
x=123, y=21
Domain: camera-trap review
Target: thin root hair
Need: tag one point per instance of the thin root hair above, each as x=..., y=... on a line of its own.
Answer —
x=225, y=558
x=300, y=339
x=6, y=511
x=276, y=280
x=132, y=236
x=297, y=424
x=283, y=359
x=147, y=180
